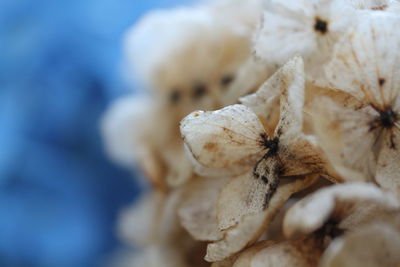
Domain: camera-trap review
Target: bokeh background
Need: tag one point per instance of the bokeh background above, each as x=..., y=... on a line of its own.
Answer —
x=60, y=196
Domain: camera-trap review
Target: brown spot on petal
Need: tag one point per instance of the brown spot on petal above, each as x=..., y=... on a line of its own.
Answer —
x=381, y=81
x=212, y=147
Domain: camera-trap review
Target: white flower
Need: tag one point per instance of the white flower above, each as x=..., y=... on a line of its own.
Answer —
x=364, y=143
x=306, y=27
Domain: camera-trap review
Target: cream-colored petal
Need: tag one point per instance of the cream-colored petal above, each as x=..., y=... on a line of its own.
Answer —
x=179, y=166
x=285, y=87
x=347, y=138
x=138, y=223
x=291, y=100
x=249, y=78
x=249, y=193
x=372, y=245
x=388, y=168
x=230, y=138
x=249, y=229
x=312, y=212
x=245, y=258
x=198, y=208
x=303, y=252
x=366, y=63
x=302, y=156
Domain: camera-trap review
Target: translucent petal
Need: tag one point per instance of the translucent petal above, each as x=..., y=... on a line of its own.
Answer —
x=347, y=137
x=366, y=63
x=249, y=229
x=198, y=208
x=312, y=212
x=372, y=245
x=230, y=138
x=388, y=167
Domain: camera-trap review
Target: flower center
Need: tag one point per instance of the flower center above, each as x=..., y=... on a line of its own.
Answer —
x=387, y=118
x=320, y=25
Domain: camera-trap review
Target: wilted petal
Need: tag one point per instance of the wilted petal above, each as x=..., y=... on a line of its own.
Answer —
x=249, y=78
x=251, y=226
x=179, y=167
x=282, y=96
x=245, y=258
x=303, y=252
x=366, y=63
x=372, y=245
x=338, y=201
x=388, y=168
x=138, y=224
x=198, y=208
x=248, y=193
x=347, y=138
x=229, y=139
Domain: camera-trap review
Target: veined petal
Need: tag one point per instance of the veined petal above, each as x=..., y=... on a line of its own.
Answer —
x=348, y=139
x=281, y=96
x=312, y=212
x=230, y=138
x=248, y=194
x=388, y=168
x=198, y=208
x=375, y=244
x=366, y=62
x=249, y=229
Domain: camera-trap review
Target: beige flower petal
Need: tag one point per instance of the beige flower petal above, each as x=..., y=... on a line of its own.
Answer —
x=249, y=229
x=249, y=78
x=245, y=258
x=303, y=252
x=337, y=201
x=372, y=245
x=138, y=224
x=180, y=169
x=388, y=169
x=247, y=194
x=198, y=208
x=286, y=87
x=366, y=63
x=346, y=137
x=229, y=139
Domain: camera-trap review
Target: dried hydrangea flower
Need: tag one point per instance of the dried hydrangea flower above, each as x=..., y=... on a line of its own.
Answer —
x=338, y=208
x=233, y=141
x=363, y=143
x=348, y=213
x=308, y=27
x=373, y=245
x=206, y=48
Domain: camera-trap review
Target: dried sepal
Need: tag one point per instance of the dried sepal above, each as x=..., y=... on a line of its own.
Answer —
x=306, y=28
x=303, y=252
x=365, y=62
x=372, y=245
x=229, y=139
x=339, y=203
x=198, y=208
x=345, y=136
x=245, y=258
x=282, y=93
x=138, y=223
x=251, y=226
x=247, y=194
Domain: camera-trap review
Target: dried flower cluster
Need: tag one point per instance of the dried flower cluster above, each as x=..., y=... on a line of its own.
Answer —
x=295, y=160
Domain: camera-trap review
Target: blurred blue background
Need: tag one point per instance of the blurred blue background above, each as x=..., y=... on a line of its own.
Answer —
x=59, y=70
